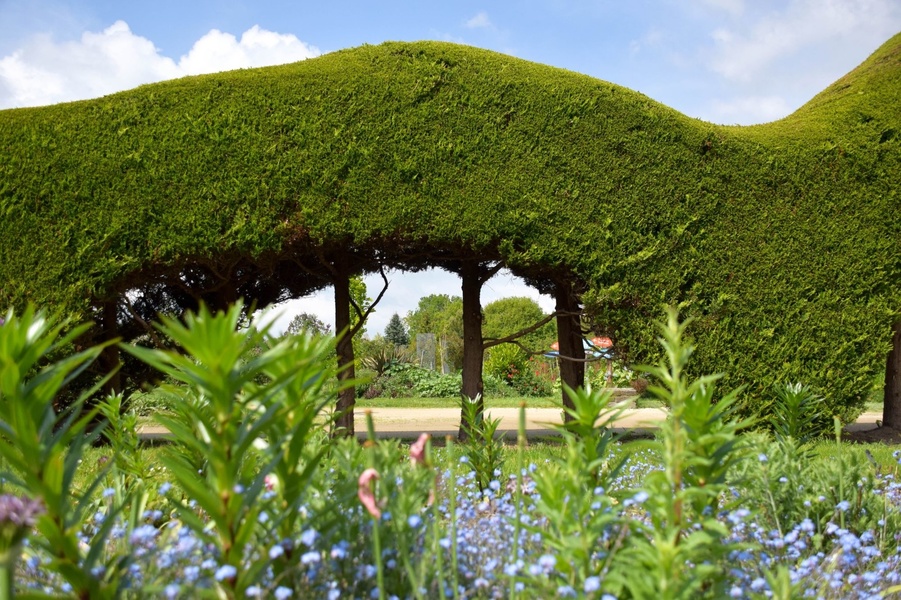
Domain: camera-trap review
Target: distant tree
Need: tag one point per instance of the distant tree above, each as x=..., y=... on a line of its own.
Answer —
x=309, y=323
x=442, y=315
x=395, y=331
x=509, y=315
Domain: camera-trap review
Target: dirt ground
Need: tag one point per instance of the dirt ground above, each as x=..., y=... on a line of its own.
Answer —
x=873, y=434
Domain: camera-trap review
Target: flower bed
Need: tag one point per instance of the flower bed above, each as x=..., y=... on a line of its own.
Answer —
x=259, y=500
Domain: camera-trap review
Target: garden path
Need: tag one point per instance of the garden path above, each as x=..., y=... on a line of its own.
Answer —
x=408, y=423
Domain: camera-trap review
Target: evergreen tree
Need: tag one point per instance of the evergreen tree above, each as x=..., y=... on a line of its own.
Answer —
x=395, y=331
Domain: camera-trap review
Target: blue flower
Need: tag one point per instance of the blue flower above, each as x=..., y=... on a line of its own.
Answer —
x=547, y=562
x=143, y=535
x=414, y=521
x=592, y=584
x=843, y=505
x=281, y=593
x=309, y=537
x=339, y=550
x=225, y=572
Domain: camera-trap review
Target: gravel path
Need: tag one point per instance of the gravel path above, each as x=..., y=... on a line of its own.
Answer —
x=408, y=423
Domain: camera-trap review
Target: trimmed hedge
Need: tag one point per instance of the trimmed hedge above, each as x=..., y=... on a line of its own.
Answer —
x=782, y=239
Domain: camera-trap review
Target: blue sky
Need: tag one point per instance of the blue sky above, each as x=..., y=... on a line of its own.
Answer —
x=726, y=61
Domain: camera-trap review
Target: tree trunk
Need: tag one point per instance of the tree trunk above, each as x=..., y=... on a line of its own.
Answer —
x=344, y=424
x=891, y=410
x=569, y=341
x=109, y=357
x=472, y=338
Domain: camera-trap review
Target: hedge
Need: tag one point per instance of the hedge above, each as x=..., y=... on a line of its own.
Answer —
x=783, y=240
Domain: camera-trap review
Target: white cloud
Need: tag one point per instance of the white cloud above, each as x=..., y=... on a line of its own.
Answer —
x=480, y=21
x=744, y=54
x=45, y=71
x=218, y=51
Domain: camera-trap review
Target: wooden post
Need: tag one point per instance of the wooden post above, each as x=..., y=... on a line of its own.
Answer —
x=569, y=341
x=473, y=353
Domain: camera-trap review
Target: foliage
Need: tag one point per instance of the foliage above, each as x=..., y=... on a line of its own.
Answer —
x=41, y=451
x=700, y=446
x=505, y=361
x=395, y=332
x=576, y=497
x=224, y=415
x=620, y=375
x=480, y=443
x=510, y=315
x=380, y=359
x=410, y=380
x=526, y=375
x=798, y=413
x=307, y=323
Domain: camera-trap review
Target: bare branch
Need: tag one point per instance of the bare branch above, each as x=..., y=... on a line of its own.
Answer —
x=490, y=272
x=309, y=271
x=363, y=316
x=144, y=324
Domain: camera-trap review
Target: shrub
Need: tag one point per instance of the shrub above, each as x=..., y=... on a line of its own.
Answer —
x=505, y=362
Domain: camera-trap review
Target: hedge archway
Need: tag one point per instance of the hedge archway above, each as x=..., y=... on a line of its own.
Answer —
x=782, y=240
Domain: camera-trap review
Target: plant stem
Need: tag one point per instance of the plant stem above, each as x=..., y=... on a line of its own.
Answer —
x=8, y=573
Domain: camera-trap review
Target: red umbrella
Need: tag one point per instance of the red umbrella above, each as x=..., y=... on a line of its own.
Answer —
x=601, y=342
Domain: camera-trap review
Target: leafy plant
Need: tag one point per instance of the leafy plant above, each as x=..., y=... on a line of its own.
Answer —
x=42, y=450
x=505, y=362
x=699, y=445
x=576, y=498
x=224, y=416
x=383, y=358
x=480, y=444
x=799, y=413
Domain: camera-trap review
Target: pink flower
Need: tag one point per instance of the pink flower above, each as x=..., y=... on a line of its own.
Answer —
x=366, y=494
x=417, y=450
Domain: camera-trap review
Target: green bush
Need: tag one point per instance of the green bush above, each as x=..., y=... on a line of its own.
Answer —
x=505, y=361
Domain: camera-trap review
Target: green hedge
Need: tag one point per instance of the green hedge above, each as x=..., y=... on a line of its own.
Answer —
x=782, y=239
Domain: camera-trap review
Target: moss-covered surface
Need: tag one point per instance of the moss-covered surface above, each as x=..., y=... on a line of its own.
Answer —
x=784, y=240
